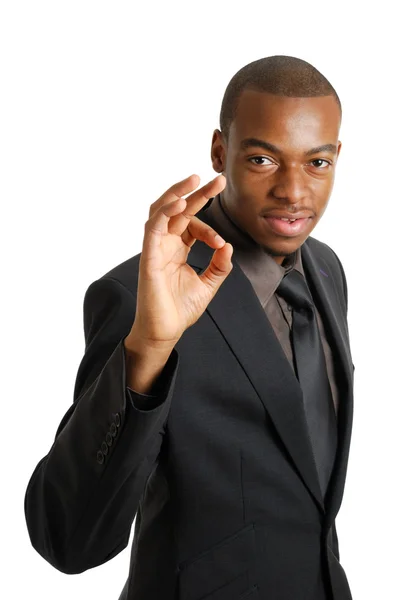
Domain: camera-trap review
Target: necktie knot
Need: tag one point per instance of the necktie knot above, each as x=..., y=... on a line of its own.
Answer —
x=294, y=289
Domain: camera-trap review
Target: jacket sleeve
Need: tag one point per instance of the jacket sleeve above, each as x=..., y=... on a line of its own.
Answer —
x=82, y=497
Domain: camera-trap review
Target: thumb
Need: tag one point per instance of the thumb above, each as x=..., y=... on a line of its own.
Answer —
x=219, y=267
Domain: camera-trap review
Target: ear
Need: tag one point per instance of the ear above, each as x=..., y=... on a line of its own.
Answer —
x=218, y=152
x=339, y=148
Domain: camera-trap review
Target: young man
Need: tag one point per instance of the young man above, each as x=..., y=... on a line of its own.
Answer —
x=214, y=399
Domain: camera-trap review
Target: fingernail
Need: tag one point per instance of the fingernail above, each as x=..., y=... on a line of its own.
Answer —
x=219, y=239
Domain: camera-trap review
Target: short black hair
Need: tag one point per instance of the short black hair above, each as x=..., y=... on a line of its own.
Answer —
x=280, y=75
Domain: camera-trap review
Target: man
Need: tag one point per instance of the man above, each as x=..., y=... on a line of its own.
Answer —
x=214, y=399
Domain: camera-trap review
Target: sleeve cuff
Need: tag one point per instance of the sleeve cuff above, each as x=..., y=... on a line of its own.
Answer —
x=161, y=389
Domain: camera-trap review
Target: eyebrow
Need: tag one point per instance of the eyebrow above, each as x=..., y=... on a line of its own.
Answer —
x=252, y=142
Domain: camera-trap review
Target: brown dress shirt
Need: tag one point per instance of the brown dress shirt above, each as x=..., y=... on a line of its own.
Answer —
x=265, y=276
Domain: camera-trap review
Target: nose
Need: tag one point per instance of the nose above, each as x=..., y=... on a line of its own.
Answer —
x=289, y=185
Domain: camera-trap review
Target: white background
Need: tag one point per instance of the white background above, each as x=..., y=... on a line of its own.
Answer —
x=104, y=105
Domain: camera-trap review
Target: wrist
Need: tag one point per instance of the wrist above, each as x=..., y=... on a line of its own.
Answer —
x=138, y=345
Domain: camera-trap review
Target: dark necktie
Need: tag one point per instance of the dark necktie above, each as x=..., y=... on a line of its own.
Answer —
x=310, y=368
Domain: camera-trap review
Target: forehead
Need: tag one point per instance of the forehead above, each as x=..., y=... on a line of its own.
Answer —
x=279, y=119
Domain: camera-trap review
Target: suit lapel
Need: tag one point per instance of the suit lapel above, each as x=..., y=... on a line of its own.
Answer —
x=242, y=321
x=257, y=349
x=324, y=290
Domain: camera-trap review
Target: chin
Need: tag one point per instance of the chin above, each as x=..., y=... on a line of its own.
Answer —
x=283, y=249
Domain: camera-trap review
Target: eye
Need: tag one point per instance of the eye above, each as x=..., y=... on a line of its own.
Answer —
x=320, y=163
x=259, y=158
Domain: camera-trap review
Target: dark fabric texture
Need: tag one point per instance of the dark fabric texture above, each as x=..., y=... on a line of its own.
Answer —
x=312, y=375
x=217, y=471
x=265, y=275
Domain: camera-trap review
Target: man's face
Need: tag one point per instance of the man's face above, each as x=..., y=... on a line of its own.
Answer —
x=292, y=174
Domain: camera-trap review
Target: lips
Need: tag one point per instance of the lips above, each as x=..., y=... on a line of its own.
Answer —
x=284, y=227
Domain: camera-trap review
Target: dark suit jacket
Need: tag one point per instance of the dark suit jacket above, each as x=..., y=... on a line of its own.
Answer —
x=217, y=469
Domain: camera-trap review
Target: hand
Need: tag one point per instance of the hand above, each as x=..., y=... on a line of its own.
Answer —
x=171, y=295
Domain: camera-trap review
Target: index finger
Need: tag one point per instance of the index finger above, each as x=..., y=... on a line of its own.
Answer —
x=195, y=202
x=179, y=189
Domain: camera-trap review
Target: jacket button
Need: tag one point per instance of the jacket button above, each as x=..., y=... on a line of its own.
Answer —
x=109, y=439
x=104, y=448
x=113, y=429
x=100, y=457
x=117, y=419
